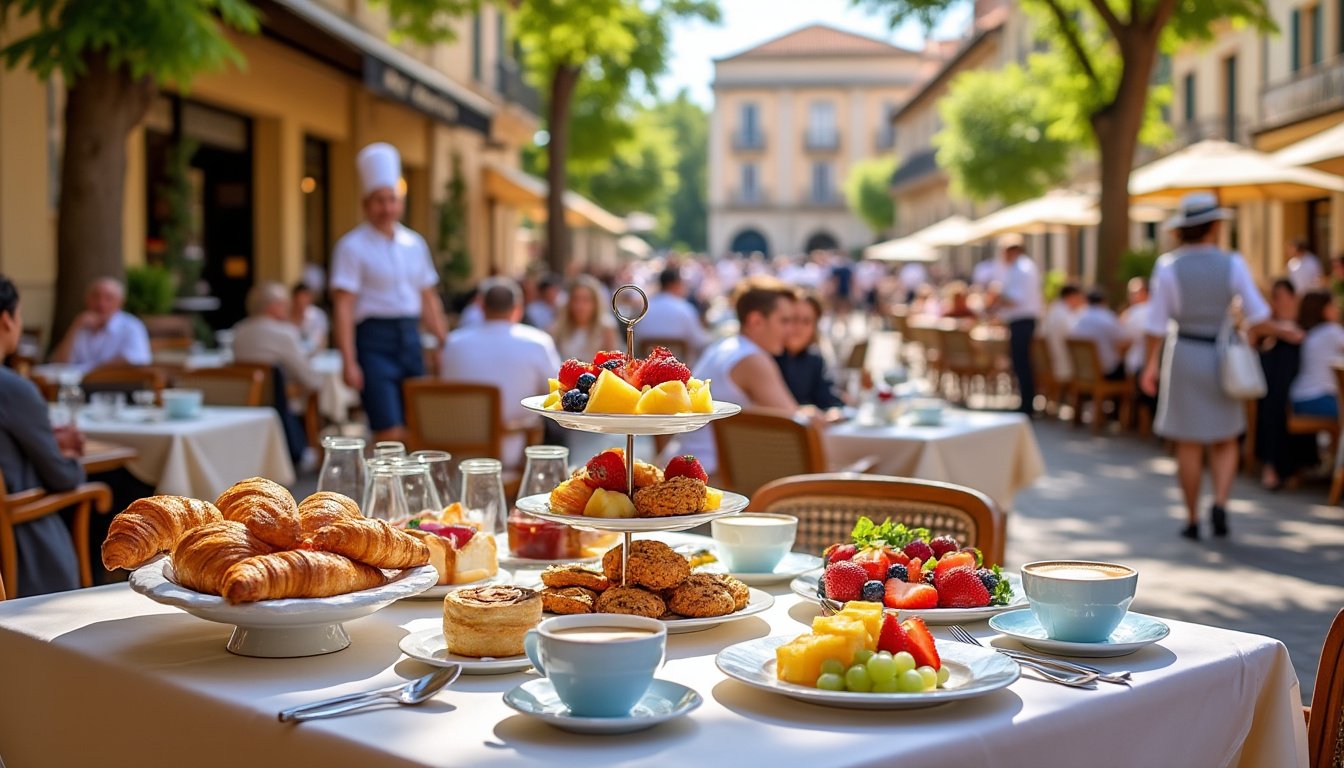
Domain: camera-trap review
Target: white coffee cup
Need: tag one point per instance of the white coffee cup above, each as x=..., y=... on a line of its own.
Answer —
x=754, y=542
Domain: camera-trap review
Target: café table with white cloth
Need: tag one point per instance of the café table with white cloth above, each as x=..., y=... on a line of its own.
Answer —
x=334, y=398
x=993, y=452
x=106, y=675
x=200, y=457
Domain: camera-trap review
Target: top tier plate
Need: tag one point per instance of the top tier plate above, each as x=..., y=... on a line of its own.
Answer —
x=632, y=424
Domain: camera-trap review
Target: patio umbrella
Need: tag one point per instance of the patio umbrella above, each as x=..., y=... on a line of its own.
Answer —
x=1060, y=208
x=1324, y=151
x=901, y=249
x=1237, y=174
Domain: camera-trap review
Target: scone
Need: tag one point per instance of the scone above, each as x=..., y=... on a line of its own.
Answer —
x=489, y=621
x=568, y=600
x=631, y=601
x=670, y=498
x=701, y=597
x=574, y=575
x=653, y=564
x=741, y=592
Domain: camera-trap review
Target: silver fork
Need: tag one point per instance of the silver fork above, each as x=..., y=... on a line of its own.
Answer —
x=1118, y=678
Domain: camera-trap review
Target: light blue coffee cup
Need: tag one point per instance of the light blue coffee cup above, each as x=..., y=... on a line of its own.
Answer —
x=182, y=403
x=600, y=664
x=754, y=542
x=1079, y=601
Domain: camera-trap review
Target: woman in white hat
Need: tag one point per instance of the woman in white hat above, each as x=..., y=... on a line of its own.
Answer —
x=1192, y=291
x=383, y=287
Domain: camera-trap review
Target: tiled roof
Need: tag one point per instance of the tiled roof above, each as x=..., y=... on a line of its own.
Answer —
x=822, y=40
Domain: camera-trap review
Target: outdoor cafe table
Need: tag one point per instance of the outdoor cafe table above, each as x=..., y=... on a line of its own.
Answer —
x=994, y=453
x=203, y=456
x=105, y=676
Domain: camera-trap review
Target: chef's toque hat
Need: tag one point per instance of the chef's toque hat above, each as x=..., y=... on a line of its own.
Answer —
x=379, y=166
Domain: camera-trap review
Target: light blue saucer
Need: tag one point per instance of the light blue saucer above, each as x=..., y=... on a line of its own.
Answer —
x=1135, y=631
x=790, y=566
x=665, y=701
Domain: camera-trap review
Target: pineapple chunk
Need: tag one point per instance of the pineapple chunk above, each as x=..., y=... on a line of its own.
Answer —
x=845, y=626
x=868, y=613
x=612, y=394
x=555, y=386
x=670, y=397
x=701, y=399
x=552, y=401
x=799, y=662
x=713, y=500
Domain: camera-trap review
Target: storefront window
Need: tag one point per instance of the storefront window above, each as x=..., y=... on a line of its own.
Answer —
x=316, y=202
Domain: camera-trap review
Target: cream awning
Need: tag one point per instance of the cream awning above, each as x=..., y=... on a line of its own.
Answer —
x=1237, y=174
x=1052, y=211
x=524, y=191
x=923, y=245
x=1324, y=151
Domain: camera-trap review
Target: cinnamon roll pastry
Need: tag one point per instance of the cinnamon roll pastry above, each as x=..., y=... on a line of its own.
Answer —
x=370, y=541
x=266, y=508
x=324, y=508
x=489, y=621
x=297, y=573
x=205, y=553
x=150, y=526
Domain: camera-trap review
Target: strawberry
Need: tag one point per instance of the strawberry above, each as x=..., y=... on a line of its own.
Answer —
x=836, y=552
x=954, y=560
x=685, y=466
x=942, y=545
x=897, y=557
x=844, y=581
x=909, y=597
x=657, y=370
x=920, y=643
x=603, y=357
x=919, y=549
x=571, y=370
x=632, y=372
x=874, y=561
x=961, y=588
x=660, y=352
x=915, y=572
x=607, y=470
x=892, y=638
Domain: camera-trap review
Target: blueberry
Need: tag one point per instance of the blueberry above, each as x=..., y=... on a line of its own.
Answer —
x=586, y=382
x=988, y=578
x=612, y=365
x=873, y=591
x=898, y=571
x=928, y=578
x=574, y=400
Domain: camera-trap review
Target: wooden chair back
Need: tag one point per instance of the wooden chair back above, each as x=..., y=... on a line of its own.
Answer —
x=240, y=384
x=678, y=347
x=1086, y=361
x=857, y=359
x=1337, y=481
x=756, y=447
x=124, y=378
x=26, y=506
x=463, y=419
x=828, y=505
x=1325, y=721
x=169, y=331
x=1041, y=368
x=930, y=343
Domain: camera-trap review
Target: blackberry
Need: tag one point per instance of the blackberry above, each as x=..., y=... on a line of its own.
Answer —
x=928, y=579
x=898, y=571
x=574, y=401
x=612, y=365
x=873, y=591
x=586, y=382
x=988, y=578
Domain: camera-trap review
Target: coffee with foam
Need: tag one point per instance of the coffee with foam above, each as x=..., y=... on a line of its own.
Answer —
x=1075, y=571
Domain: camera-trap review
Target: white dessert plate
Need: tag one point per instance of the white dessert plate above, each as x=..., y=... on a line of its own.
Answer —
x=430, y=647
x=665, y=701
x=632, y=424
x=539, y=506
x=281, y=628
x=440, y=591
x=805, y=586
x=792, y=565
x=974, y=671
x=1135, y=631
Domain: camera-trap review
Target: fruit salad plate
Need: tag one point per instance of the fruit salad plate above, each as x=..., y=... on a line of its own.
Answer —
x=539, y=506
x=631, y=424
x=973, y=671
x=805, y=586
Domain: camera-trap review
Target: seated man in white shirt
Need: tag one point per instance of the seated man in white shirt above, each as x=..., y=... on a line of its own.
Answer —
x=671, y=316
x=268, y=337
x=103, y=334
x=516, y=358
x=1134, y=319
x=1099, y=324
x=1060, y=316
x=314, y=327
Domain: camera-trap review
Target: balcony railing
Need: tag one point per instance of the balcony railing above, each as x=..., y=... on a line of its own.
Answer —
x=748, y=140
x=821, y=141
x=1311, y=92
x=514, y=88
x=824, y=198
x=744, y=197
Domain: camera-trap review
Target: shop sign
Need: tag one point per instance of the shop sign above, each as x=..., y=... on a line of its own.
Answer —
x=386, y=80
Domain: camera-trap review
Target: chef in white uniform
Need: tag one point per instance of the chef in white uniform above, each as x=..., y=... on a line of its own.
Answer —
x=383, y=288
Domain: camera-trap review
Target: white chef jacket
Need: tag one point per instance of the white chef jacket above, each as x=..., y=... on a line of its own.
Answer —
x=123, y=338
x=386, y=275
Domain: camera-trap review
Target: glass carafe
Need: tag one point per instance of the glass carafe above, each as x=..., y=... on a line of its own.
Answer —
x=483, y=494
x=385, y=498
x=417, y=485
x=389, y=449
x=529, y=537
x=440, y=464
x=342, y=467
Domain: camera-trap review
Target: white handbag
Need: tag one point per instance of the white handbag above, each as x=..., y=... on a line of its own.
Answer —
x=1239, y=365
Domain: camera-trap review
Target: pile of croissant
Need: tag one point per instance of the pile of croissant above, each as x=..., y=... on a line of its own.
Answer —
x=255, y=543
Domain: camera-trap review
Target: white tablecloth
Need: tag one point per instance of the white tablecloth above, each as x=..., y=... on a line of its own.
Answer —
x=106, y=676
x=995, y=453
x=201, y=457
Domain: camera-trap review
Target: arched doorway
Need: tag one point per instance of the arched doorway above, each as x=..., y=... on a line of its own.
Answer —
x=821, y=240
x=749, y=241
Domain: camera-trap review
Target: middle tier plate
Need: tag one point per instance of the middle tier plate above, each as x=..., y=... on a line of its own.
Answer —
x=539, y=506
x=634, y=423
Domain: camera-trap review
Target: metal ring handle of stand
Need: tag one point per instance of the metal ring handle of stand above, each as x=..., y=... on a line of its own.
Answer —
x=629, y=439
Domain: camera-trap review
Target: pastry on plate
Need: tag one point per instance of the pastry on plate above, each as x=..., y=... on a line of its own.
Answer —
x=205, y=553
x=460, y=553
x=489, y=621
x=568, y=600
x=267, y=509
x=700, y=597
x=631, y=601
x=670, y=498
x=575, y=575
x=297, y=573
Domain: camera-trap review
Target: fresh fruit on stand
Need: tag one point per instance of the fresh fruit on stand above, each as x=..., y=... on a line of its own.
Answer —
x=571, y=370
x=905, y=596
x=701, y=399
x=657, y=370
x=585, y=382
x=609, y=504
x=685, y=466
x=574, y=401
x=961, y=588
x=605, y=356
x=612, y=394
x=941, y=545
x=607, y=470
x=713, y=500
x=844, y=581
x=571, y=496
x=921, y=644
x=668, y=397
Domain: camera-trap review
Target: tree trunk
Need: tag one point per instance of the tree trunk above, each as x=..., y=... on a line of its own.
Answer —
x=557, y=172
x=102, y=107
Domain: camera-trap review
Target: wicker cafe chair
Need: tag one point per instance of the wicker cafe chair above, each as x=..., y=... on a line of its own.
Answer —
x=26, y=506
x=827, y=506
x=240, y=384
x=1043, y=372
x=1325, y=716
x=1090, y=382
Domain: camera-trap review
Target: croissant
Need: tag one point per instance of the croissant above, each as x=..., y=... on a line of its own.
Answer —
x=297, y=573
x=204, y=554
x=370, y=541
x=266, y=508
x=324, y=508
x=150, y=526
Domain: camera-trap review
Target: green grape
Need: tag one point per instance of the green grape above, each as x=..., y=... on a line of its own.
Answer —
x=830, y=681
x=883, y=654
x=886, y=686
x=904, y=662
x=857, y=679
x=910, y=681
x=862, y=656
x=930, y=677
x=943, y=675
x=833, y=667
x=881, y=668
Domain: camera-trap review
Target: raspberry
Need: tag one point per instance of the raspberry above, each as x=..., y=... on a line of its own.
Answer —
x=873, y=591
x=919, y=550
x=574, y=401
x=602, y=357
x=898, y=572
x=844, y=581
x=660, y=352
x=585, y=382
x=942, y=545
x=571, y=370
x=655, y=371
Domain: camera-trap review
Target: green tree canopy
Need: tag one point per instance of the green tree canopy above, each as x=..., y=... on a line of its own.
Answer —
x=688, y=207
x=868, y=192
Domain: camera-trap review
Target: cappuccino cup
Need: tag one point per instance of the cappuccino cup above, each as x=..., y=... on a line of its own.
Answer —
x=754, y=542
x=600, y=664
x=1079, y=601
